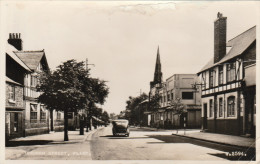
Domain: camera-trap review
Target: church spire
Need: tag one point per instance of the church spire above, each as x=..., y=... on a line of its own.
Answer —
x=158, y=72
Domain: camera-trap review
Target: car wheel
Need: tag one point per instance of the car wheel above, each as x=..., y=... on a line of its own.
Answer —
x=127, y=135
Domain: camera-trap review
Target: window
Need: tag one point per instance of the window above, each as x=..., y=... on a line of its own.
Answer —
x=203, y=80
x=220, y=76
x=70, y=115
x=33, y=111
x=168, y=96
x=172, y=95
x=230, y=72
x=220, y=109
x=211, y=78
x=12, y=93
x=34, y=81
x=231, y=106
x=43, y=113
x=187, y=95
x=59, y=115
x=211, y=108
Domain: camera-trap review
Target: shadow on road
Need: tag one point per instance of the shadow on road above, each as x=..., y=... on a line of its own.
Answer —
x=235, y=152
x=231, y=157
x=122, y=137
x=37, y=142
x=27, y=143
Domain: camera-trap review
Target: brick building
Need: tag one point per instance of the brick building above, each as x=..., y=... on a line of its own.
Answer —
x=35, y=118
x=14, y=102
x=229, y=83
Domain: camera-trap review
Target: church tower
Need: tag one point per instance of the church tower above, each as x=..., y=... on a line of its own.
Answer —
x=158, y=72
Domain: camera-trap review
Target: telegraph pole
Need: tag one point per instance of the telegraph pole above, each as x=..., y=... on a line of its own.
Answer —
x=89, y=119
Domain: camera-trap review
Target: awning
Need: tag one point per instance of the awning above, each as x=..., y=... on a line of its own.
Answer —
x=42, y=108
x=193, y=107
x=33, y=108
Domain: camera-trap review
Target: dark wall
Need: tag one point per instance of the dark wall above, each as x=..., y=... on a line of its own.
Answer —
x=14, y=71
x=225, y=126
x=250, y=55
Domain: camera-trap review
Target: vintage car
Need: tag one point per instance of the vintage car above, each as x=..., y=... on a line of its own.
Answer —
x=120, y=127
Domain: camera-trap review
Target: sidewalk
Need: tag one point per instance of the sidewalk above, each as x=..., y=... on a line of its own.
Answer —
x=231, y=140
x=20, y=146
x=218, y=138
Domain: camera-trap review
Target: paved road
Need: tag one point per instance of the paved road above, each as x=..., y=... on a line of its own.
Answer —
x=151, y=145
x=142, y=144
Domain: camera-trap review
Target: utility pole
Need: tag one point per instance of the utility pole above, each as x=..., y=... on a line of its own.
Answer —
x=88, y=64
x=88, y=119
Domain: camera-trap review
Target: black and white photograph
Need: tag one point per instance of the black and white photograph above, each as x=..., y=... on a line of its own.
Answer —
x=129, y=81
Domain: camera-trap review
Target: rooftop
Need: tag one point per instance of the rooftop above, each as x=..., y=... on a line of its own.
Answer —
x=238, y=45
x=31, y=58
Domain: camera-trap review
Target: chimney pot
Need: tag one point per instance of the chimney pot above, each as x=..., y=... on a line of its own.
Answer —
x=15, y=40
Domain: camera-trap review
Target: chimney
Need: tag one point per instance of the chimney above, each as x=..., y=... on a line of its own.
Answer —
x=220, y=30
x=16, y=41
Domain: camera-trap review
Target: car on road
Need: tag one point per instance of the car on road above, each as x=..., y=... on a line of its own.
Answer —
x=120, y=127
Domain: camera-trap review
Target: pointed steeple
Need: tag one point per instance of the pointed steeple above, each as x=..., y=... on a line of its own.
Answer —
x=158, y=72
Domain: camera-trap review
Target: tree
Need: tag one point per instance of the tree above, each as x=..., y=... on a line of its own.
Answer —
x=133, y=106
x=105, y=117
x=178, y=107
x=154, y=103
x=69, y=88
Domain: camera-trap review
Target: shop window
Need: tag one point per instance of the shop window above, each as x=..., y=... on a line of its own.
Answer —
x=230, y=72
x=187, y=95
x=220, y=76
x=33, y=114
x=220, y=109
x=211, y=108
x=231, y=106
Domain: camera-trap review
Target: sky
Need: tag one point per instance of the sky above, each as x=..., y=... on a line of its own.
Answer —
x=121, y=38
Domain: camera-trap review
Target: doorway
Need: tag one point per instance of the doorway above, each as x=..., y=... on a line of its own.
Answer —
x=205, y=118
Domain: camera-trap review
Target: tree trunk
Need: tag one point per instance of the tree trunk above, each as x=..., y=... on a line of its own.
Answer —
x=66, y=137
x=81, y=131
x=51, y=115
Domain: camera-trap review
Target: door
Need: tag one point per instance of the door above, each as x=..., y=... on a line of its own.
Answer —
x=16, y=124
x=205, y=118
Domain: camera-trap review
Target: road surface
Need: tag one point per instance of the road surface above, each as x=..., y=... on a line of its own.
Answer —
x=142, y=144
